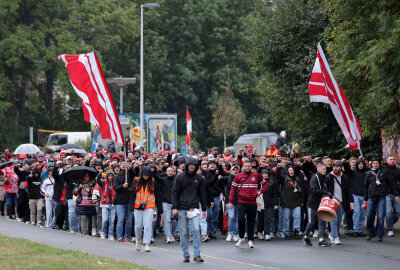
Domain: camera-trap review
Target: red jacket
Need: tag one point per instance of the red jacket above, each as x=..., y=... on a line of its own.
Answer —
x=248, y=191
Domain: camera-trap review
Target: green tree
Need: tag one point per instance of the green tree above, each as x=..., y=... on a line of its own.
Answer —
x=228, y=117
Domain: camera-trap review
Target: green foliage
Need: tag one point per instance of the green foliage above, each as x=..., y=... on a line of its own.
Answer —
x=86, y=144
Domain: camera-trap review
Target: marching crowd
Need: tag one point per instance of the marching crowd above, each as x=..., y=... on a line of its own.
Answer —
x=189, y=198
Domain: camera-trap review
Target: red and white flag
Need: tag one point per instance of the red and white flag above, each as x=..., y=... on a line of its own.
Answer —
x=188, y=127
x=89, y=83
x=324, y=88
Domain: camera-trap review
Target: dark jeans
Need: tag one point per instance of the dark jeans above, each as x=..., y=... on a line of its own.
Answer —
x=23, y=205
x=312, y=217
x=349, y=215
x=62, y=216
x=249, y=210
x=264, y=220
x=2, y=211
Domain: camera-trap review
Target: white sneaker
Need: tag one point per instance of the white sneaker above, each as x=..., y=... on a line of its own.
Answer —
x=71, y=231
x=235, y=238
x=27, y=222
x=138, y=245
x=245, y=235
x=267, y=237
x=172, y=239
x=229, y=238
x=390, y=233
x=147, y=248
x=133, y=239
x=331, y=238
x=240, y=242
x=94, y=233
x=102, y=235
x=19, y=219
x=301, y=233
x=33, y=223
x=315, y=235
x=336, y=241
x=39, y=224
x=168, y=239
x=111, y=238
x=250, y=244
x=260, y=236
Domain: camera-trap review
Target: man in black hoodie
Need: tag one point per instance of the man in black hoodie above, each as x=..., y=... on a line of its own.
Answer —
x=214, y=189
x=188, y=193
x=392, y=173
x=36, y=202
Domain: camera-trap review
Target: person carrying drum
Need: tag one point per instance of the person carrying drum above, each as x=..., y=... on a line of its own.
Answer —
x=318, y=189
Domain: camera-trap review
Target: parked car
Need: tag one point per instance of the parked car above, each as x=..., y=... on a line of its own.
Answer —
x=248, y=138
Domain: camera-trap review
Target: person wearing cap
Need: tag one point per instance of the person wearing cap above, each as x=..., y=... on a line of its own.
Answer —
x=105, y=191
x=23, y=198
x=376, y=188
x=340, y=187
x=249, y=152
x=272, y=151
x=48, y=190
x=145, y=204
x=10, y=189
x=62, y=155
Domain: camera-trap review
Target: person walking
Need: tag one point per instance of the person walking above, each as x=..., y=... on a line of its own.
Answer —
x=392, y=174
x=245, y=189
x=187, y=193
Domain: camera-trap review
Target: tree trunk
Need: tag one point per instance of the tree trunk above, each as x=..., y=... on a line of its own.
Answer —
x=224, y=140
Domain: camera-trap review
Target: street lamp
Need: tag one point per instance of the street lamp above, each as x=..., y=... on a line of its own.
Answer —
x=121, y=82
x=147, y=5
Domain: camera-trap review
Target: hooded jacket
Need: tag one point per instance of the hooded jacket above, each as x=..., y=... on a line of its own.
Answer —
x=318, y=189
x=34, y=184
x=166, y=184
x=374, y=189
x=123, y=194
x=392, y=174
x=358, y=178
x=189, y=189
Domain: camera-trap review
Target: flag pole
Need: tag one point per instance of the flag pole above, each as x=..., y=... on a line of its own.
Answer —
x=359, y=148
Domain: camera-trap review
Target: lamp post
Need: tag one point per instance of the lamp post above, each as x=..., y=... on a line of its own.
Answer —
x=121, y=82
x=147, y=5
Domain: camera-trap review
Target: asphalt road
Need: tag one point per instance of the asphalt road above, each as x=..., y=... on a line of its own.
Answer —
x=354, y=253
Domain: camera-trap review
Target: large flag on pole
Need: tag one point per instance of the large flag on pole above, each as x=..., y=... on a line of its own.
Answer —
x=188, y=128
x=89, y=83
x=324, y=88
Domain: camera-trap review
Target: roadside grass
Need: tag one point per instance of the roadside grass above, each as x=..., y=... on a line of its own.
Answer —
x=22, y=254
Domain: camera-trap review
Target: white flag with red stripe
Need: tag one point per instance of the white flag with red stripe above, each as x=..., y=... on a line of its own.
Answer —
x=188, y=127
x=324, y=88
x=89, y=83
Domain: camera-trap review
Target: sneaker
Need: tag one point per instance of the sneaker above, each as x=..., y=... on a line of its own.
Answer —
x=301, y=233
x=235, y=238
x=27, y=222
x=336, y=241
x=229, y=238
x=168, y=240
x=204, y=238
x=380, y=239
x=172, y=239
x=102, y=235
x=119, y=239
x=33, y=223
x=71, y=231
x=369, y=237
x=94, y=233
x=296, y=235
x=111, y=238
x=190, y=238
x=138, y=245
x=239, y=242
x=307, y=241
x=281, y=235
x=178, y=238
x=198, y=259
x=331, y=238
x=260, y=236
x=323, y=243
x=346, y=231
x=19, y=219
x=271, y=235
x=390, y=233
x=315, y=235
x=212, y=236
x=147, y=248
x=133, y=240
x=250, y=244
x=127, y=240
x=186, y=259
x=267, y=237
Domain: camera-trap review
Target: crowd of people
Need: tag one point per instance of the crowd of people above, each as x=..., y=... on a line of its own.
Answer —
x=133, y=196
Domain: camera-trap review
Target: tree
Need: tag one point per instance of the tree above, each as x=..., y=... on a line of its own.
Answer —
x=228, y=117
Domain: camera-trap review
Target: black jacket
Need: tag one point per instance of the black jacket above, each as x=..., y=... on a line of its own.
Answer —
x=357, y=178
x=58, y=185
x=123, y=194
x=392, y=174
x=214, y=186
x=34, y=184
x=189, y=189
x=318, y=189
x=372, y=189
x=166, y=184
x=270, y=196
x=347, y=196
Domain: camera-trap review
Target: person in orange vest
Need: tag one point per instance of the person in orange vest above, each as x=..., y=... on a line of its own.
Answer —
x=272, y=151
x=145, y=203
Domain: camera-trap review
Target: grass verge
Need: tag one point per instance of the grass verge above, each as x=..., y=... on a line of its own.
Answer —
x=21, y=254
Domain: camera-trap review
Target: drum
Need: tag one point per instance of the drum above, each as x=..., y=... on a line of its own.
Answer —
x=328, y=209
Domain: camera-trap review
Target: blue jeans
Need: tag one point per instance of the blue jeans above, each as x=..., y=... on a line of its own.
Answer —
x=50, y=213
x=203, y=224
x=124, y=213
x=212, y=216
x=73, y=218
x=195, y=228
x=295, y=214
x=167, y=212
x=358, y=213
x=232, y=220
x=336, y=223
x=144, y=219
x=108, y=217
x=372, y=208
x=392, y=211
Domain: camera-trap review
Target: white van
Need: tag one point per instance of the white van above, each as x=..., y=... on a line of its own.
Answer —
x=56, y=139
